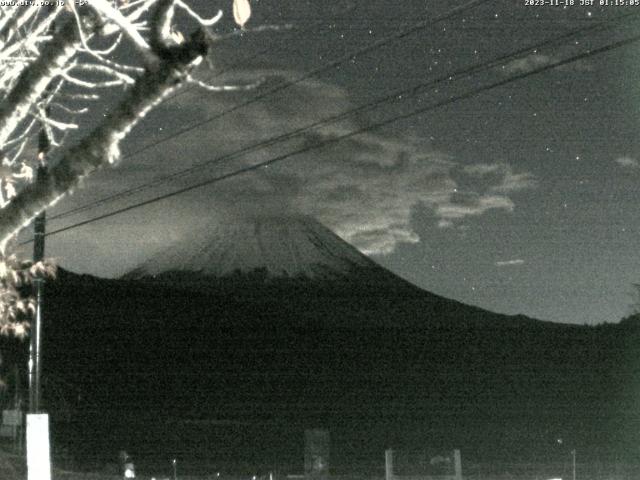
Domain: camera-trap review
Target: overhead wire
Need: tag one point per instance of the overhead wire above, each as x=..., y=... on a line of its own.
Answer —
x=393, y=96
x=370, y=127
x=323, y=68
x=344, y=58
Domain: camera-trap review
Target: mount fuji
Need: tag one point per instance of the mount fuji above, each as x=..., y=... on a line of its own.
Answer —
x=285, y=259
x=277, y=324
x=285, y=246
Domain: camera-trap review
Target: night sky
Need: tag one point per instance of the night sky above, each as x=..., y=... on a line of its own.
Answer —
x=520, y=199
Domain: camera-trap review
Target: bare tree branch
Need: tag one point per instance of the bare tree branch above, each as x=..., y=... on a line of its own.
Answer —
x=34, y=79
x=46, y=70
x=102, y=145
x=113, y=14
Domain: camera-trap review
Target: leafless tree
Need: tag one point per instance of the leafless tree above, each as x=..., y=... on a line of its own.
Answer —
x=54, y=61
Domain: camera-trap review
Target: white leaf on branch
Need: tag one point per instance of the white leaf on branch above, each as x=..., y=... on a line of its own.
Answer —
x=241, y=12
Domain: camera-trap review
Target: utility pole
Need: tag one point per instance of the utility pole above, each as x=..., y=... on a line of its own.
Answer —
x=35, y=365
x=38, y=442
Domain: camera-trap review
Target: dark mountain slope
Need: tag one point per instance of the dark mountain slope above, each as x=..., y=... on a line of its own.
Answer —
x=397, y=367
x=331, y=340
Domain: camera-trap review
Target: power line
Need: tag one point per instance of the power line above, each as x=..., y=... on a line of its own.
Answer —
x=407, y=92
x=324, y=68
x=280, y=87
x=374, y=126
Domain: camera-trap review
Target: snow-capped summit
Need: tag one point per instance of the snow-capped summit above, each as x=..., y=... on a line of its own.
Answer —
x=283, y=246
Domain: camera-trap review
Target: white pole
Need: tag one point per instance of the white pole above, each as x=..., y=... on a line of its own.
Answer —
x=457, y=458
x=388, y=464
x=38, y=458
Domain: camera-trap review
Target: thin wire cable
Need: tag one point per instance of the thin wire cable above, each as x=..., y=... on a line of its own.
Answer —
x=324, y=68
x=408, y=92
x=334, y=140
x=280, y=87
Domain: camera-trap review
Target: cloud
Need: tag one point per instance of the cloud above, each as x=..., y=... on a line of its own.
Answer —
x=366, y=187
x=537, y=60
x=528, y=63
x=504, y=179
x=509, y=263
x=627, y=162
x=471, y=204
